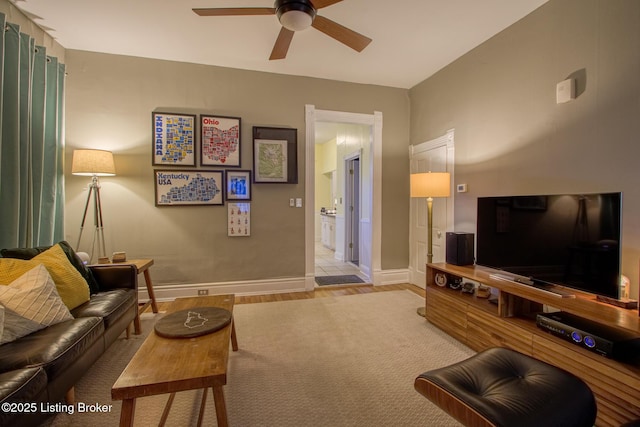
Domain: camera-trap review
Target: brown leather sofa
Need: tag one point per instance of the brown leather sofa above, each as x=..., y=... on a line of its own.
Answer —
x=42, y=368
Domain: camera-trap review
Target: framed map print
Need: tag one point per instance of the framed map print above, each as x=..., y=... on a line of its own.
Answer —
x=173, y=139
x=189, y=187
x=275, y=155
x=219, y=141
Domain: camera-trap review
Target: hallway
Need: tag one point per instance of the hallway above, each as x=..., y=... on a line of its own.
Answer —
x=327, y=265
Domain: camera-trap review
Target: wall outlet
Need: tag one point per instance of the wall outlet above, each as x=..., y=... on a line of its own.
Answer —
x=203, y=292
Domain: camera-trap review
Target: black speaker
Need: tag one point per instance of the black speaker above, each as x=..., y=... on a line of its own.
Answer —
x=460, y=248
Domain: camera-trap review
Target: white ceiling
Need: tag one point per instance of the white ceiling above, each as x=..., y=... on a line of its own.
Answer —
x=412, y=39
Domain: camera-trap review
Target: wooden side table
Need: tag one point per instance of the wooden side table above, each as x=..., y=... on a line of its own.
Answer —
x=142, y=266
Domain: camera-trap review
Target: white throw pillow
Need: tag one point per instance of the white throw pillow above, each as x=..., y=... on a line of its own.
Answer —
x=31, y=302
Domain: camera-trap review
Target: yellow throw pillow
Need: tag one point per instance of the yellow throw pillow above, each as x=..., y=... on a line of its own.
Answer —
x=72, y=287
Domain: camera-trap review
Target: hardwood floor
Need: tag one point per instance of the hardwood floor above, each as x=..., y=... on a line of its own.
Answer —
x=319, y=292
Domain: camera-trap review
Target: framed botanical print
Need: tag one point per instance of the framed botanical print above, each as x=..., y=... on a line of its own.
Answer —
x=219, y=141
x=275, y=157
x=238, y=185
x=173, y=139
x=189, y=187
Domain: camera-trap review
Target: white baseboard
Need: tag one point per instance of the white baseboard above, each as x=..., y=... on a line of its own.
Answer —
x=394, y=277
x=254, y=287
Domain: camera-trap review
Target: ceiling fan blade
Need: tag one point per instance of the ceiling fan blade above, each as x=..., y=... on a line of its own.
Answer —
x=235, y=11
x=319, y=4
x=355, y=41
x=283, y=42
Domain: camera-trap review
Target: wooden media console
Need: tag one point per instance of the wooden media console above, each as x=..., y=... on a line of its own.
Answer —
x=511, y=323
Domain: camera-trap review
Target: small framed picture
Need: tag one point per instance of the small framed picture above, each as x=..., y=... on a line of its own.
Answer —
x=238, y=185
x=239, y=219
x=275, y=155
x=173, y=139
x=189, y=187
x=219, y=141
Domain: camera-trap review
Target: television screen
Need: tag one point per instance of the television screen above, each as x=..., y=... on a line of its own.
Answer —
x=568, y=240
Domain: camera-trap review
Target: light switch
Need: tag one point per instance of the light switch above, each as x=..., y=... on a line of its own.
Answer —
x=291, y=202
x=299, y=202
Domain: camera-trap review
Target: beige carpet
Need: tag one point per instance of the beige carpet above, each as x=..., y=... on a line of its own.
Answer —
x=339, y=361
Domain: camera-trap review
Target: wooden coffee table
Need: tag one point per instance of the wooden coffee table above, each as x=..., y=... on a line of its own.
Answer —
x=168, y=365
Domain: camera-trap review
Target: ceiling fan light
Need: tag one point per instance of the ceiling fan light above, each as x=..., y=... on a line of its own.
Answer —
x=296, y=20
x=295, y=15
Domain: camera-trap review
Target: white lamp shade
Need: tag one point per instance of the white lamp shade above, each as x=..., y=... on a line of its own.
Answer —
x=93, y=162
x=296, y=20
x=431, y=184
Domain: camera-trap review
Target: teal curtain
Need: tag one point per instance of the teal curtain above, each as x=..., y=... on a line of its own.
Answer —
x=31, y=142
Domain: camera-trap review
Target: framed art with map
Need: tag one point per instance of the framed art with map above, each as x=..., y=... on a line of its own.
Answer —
x=275, y=155
x=220, y=141
x=173, y=139
x=189, y=187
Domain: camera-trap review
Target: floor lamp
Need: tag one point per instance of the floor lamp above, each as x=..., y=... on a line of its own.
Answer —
x=430, y=185
x=93, y=163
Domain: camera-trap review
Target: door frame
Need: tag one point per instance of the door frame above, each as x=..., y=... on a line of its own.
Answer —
x=375, y=122
x=447, y=140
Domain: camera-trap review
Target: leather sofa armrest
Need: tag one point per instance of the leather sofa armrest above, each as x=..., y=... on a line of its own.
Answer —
x=111, y=276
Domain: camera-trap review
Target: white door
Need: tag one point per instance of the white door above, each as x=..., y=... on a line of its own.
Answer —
x=434, y=156
x=352, y=210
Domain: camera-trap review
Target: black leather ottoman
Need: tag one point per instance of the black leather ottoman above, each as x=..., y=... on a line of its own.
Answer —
x=501, y=387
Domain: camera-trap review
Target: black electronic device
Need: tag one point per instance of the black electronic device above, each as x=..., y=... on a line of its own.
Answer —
x=460, y=248
x=604, y=340
x=454, y=282
x=570, y=240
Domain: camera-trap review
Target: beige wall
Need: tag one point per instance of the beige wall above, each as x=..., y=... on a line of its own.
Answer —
x=109, y=101
x=512, y=138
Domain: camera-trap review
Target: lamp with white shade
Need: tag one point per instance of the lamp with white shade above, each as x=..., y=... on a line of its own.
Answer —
x=93, y=163
x=429, y=185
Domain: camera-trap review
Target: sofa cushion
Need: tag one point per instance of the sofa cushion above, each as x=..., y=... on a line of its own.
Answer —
x=72, y=287
x=28, y=253
x=30, y=303
x=110, y=305
x=22, y=385
x=28, y=386
x=54, y=348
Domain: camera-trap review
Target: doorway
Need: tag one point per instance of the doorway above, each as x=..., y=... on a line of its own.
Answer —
x=339, y=148
x=369, y=262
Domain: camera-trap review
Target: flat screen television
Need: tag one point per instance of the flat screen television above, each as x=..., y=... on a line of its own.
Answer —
x=570, y=240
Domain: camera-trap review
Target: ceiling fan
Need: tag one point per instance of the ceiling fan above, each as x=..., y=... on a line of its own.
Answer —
x=296, y=15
